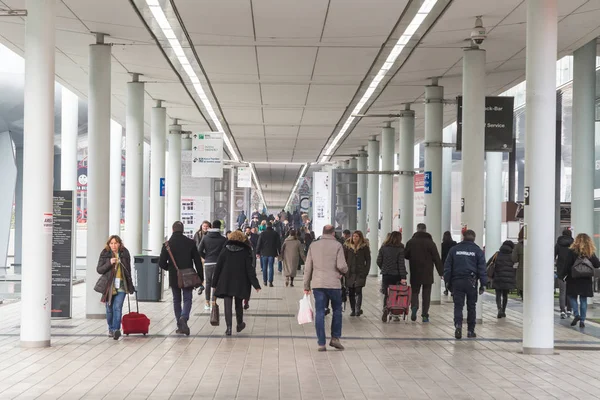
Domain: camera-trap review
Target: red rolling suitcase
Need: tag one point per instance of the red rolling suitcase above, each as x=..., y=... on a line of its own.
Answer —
x=398, y=301
x=134, y=322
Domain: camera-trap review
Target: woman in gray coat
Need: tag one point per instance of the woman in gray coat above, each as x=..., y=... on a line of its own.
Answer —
x=291, y=253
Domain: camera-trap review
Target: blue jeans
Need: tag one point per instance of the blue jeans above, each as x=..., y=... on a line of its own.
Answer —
x=114, y=311
x=322, y=299
x=187, y=303
x=580, y=311
x=267, y=267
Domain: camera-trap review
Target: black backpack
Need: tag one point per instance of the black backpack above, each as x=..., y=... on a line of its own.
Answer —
x=582, y=268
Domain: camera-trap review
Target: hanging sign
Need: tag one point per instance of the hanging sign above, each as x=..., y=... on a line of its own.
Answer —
x=499, y=122
x=162, y=187
x=207, y=155
x=427, y=183
x=321, y=201
x=526, y=195
x=63, y=229
x=244, y=177
x=359, y=203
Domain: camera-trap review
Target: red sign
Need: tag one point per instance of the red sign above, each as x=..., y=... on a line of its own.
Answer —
x=419, y=183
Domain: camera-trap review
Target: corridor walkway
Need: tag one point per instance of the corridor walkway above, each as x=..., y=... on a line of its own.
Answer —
x=275, y=358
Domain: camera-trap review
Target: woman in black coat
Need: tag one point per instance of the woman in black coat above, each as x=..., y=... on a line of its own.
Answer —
x=447, y=244
x=583, y=247
x=234, y=276
x=505, y=275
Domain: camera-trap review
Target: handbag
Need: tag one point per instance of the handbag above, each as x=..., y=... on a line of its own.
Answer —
x=214, y=314
x=187, y=278
x=491, y=267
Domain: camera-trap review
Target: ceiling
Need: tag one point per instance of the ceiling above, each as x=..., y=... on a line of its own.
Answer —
x=284, y=72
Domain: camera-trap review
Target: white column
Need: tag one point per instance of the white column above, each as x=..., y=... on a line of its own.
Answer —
x=146, y=199
x=98, y=168
x=134, y=165
x=406, y=180
x=174, y=174
x=538, y=302
x=388, y=145
x=38, y=167
x=493, y=202
x=361, y=215
x=116, y=177
x=157, y=173
x=473, y=146
x=69, y=127
x=434, y=125
x=584, y=117
x=373, y=204
x=447, y=183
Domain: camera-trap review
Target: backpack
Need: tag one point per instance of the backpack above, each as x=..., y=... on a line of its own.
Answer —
x=582, y=268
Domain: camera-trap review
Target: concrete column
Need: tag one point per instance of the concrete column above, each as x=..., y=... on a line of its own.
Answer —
x=19, y=210
x=434, y=126
x=174, y=174
x=493, y=202
x=361, y=213
x=134, y=165
x=98, y=168
x=584, y=117
x=388, y=145
x=69, y=128
x=447, y=182
x=406, y=181
x=116, y=159
x=373, y=204
x=473, y=146
x=146, y=199
x=38, y=167
x=352, y=194
x=538, y=302
x=157, y=173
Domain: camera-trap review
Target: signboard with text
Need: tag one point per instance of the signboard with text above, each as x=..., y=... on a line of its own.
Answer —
x=244, y=177
x=207, y=155
x=63, y=228
x=499, y=121
x=321, y=201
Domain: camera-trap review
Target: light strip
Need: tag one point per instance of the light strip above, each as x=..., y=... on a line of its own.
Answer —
x=257, y=184
x=302, y=172
x=414, y=25
x=169, y=33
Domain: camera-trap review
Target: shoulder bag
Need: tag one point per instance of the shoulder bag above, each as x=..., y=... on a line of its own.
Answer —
x=214, y=313
x=187, y=278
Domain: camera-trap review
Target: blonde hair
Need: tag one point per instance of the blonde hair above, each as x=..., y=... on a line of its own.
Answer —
x=238, y=236
x=583, y=245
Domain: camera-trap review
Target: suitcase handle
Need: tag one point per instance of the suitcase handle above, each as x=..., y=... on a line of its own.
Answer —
x=137, y=305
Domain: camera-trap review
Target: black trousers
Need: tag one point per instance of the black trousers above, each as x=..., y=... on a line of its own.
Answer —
x=414, y=301
x=501, y=299
x=239, y=310
x=355, y=295
x=464, y=289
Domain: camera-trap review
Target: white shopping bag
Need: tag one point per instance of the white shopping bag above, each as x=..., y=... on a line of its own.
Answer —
x=306, y=313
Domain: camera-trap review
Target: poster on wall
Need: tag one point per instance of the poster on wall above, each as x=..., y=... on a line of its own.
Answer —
x=244, y=177
x=207, y=155
x=321, y=201
x=194, y=210
x=63, y=227
x=419, y=189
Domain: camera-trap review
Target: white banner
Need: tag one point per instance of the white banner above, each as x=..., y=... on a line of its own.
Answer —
x=244, y=177
x=207, y=155
x=321, y=202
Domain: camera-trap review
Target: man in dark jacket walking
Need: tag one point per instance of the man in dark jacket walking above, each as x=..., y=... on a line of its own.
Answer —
x=241, y=219
x=423, y=255
x=185, y=255
x=464, y=267
x=210, y=248
x=561, y=252
x=268, y=247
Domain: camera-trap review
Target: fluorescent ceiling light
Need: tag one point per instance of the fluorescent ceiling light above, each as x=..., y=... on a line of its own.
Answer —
x=413, y=26
x=300, y=176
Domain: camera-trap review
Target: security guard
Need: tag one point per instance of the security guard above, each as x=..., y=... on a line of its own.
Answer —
x=465, y=265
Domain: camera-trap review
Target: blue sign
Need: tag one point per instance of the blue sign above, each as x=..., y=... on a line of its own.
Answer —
x=162, y=187
x=427, y=183
x=359, y=204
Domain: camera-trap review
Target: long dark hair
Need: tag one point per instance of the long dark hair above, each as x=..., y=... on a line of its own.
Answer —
x=393, y=239
x=447, y=237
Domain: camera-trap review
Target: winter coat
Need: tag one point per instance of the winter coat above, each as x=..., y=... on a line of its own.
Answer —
x=269, y=243
x=235, y=274
x=107, y=273
x=359, y=264
x=391, y=261
x=241, y=219
x=561, y=252
x=198, y=236
x=505, y=275
x=581, y=286
x=325, y=263
x=423, y=255
x=518, y=256
x=211, y=246
x=291, y=253
x=186, y=256
x=465, y=261
x=446, y=246
x=253, y=238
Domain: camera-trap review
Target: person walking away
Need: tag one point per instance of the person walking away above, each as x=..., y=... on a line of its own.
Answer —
x=114, y=266
x=423, y=255
x=579, y=275
x=518, y=256
x=241, y=219
x=291, y=253
x=561, y=251
x=505, y=276
x=447, y=244
x=210, y=248
x=199, y=235
x=464, y=267
x=234, y=278
x=358, y=260
x=185, y=255
x=325, y=263
x=267, y=249
x=390, y=261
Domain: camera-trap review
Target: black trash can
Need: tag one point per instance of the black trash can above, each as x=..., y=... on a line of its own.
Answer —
x=149, y=278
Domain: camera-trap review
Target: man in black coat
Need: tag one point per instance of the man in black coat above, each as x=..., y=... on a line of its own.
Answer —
x=561, y=252
x=185, y=255
x=210, y=248
x=464, y=267
x=268, y=247
x=423, y=255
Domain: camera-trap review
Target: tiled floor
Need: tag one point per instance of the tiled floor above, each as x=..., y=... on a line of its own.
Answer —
x=275, y=358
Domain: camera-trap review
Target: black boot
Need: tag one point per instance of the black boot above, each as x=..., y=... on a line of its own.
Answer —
x=353, y=305
x=228, y=331
x=291, y=281
x=359, y=310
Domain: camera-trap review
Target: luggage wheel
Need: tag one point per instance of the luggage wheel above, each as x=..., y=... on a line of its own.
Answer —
x=127, y=334
x=144, y=334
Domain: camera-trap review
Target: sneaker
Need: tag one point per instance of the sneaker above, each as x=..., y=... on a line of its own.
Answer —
x=111, y=333
x=335, y=343
x=563, y=315
x=117, y=334
x=413, y=314
x=185, y=329
x=322, y=348
x=568, y=314
x=270, y=284
x=581, y=324
x=458, y=332
x=207, y=307
x=384, y=316
x=471, y=334
x=575, y=320
x=425, y=319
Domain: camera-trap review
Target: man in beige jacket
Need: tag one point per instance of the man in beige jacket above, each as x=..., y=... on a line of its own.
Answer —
x=325, y=264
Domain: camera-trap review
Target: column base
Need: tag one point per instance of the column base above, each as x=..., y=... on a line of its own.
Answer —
x=35, y=344
x=479, y=321
x=435, y=302
x=95, y=316
x=538, y=351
